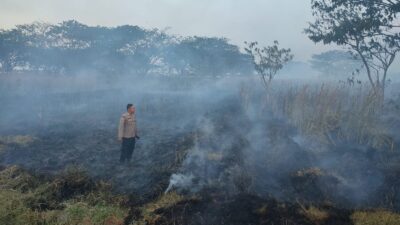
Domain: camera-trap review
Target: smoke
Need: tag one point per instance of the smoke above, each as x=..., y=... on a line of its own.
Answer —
x=247, y=148
x=180, y=181
x=197, y=133
x=224, y=136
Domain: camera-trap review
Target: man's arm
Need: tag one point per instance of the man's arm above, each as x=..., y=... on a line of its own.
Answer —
x=136, y=130
x=121, y=128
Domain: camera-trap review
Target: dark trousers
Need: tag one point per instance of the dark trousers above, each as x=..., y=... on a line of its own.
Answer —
x=127, y=147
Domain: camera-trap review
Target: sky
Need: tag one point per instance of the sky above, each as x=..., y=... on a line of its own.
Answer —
x=238, y=20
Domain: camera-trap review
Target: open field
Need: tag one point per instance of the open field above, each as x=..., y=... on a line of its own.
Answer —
x=211, y=152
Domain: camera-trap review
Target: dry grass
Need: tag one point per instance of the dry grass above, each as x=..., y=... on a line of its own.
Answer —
x=164, y=201
x=328, y=110
x=14, y=178
x=329, y=113
x=381, y=217
x=23, y=140
x=214, y=156
x=21, y=193
x=263, y=210
x=310, y=171
x=314, y=214
x=82, y=213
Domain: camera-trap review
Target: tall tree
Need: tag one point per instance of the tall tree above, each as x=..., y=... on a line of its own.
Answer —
x=369, y=28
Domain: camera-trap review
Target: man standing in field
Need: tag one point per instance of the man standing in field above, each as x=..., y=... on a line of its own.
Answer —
x=127, y=133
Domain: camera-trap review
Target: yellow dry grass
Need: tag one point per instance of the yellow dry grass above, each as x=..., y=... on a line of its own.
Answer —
x=19, y=191
x=330, y=112
x=314, y=214
x=164, y=201
x=23, y=140
x=214, y=156
x=313, y=170
x=381, y=217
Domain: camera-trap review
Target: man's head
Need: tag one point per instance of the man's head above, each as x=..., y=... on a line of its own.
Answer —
x=130, y=108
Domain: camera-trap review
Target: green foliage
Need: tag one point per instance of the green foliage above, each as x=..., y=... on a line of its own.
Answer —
x=71, y=47
x=268, y=60
x=368, y=28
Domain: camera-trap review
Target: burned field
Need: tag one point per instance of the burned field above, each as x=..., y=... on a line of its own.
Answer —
x=213, y=155
x=237, y=119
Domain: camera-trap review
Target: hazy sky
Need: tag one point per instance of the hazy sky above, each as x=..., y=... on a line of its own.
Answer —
x=238, y=20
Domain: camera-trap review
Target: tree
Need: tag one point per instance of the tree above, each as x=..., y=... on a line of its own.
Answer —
x=367, y=28
x=335, y=63
x=71, y=47
x=268, y=60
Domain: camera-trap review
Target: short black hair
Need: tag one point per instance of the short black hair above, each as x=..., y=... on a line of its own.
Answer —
x=128, y=106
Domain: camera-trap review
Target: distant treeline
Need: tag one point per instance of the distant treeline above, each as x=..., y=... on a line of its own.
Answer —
x=72, y=47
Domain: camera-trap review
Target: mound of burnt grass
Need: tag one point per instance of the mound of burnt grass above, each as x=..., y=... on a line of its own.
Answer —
x=70, y=197
x=44, y=192
x=71, y=183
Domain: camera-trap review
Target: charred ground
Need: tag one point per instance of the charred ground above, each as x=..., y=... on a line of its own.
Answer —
x=217, y=154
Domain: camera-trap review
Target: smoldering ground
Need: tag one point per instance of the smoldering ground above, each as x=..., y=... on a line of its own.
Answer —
x=197, y=134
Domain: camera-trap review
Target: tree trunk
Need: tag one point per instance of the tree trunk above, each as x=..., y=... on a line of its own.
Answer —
x=380, y=94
